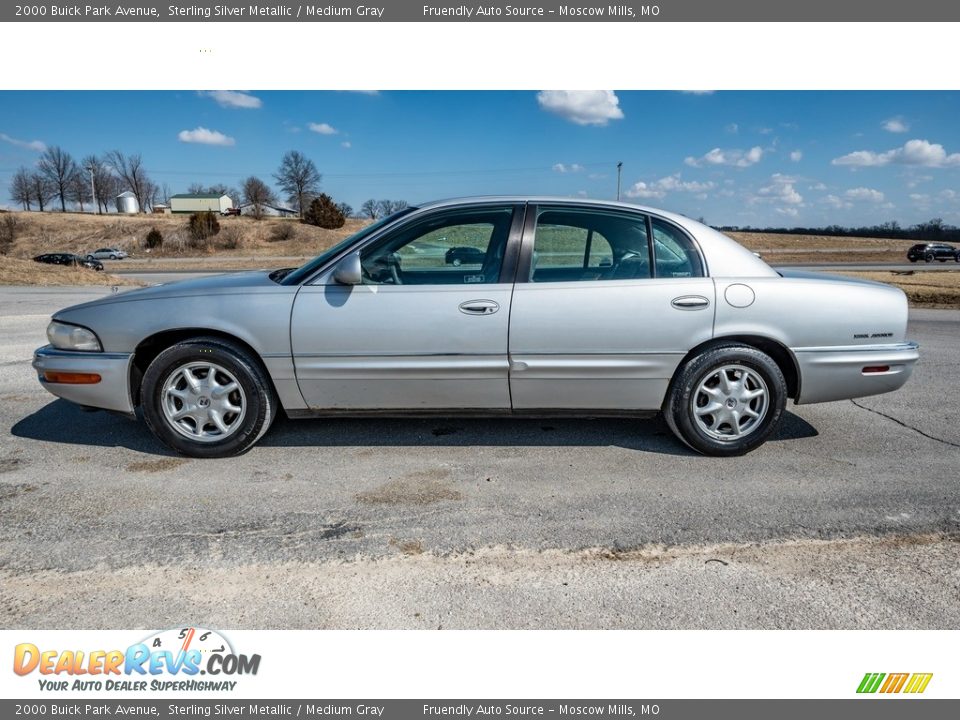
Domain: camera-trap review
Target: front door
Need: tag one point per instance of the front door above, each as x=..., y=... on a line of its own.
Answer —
x=427, y=327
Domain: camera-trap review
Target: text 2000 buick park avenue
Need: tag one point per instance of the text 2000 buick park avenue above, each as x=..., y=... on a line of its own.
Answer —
x=556, y=307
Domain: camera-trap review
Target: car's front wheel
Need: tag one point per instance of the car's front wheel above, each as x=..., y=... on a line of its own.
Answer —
x=726, y=401
x=207, y=398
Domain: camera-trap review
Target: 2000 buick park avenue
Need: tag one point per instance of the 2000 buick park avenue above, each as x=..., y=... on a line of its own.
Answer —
x=555, y=307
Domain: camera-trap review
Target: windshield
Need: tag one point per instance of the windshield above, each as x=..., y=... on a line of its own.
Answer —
x=305, y=271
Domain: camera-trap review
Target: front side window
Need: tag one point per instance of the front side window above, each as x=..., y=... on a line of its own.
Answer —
x=584, y=245
x=451, y=248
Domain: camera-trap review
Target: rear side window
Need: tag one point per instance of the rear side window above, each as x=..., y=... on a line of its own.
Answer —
x=675, y=254
x=587, y=245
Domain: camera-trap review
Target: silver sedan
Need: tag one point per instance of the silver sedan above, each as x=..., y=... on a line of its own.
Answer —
x=557, y=307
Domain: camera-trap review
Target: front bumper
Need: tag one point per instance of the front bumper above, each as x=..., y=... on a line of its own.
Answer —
x=836, y=373
x=111, y=393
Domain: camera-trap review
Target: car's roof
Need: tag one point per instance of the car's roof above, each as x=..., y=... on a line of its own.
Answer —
x=545, y=200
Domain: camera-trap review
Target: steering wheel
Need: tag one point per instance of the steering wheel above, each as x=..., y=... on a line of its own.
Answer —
x=385, y=270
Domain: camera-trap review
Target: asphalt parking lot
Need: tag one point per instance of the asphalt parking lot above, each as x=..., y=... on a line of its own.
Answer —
x=849, y=518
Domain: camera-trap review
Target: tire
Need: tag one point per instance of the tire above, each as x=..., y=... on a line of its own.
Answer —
x=211, y=363
x=114, y=257
x=457, y=262
x=957, y=258
x=928, y=257
x=90, y=257
x=696, y=381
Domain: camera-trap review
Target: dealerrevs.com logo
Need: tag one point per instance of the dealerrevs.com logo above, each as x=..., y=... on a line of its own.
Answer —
x=910, y=683
x=169, y=660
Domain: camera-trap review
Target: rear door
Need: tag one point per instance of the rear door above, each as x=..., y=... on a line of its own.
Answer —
x=607, y=303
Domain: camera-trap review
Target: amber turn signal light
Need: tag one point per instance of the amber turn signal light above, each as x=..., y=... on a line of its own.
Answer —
x=71, y=378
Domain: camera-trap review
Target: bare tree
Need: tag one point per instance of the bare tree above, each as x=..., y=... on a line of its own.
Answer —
x=345, y=209
x=258, y=194
x=165, y=194
x=299, y=178
x=59, y=168
x=150, y=191
x=132, y=174
x=196, y=189
x=41, y=189
x=79, y=189
x=389, y=207
x=20, y=191
x=104, y=182
x=370, y=209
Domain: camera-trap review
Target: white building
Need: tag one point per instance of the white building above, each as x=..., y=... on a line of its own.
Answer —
x=199, y=202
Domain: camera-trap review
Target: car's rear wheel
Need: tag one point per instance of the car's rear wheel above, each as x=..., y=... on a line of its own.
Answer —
x=727, y=400
x=928, y=257
x=207, y=398
x=957, y=257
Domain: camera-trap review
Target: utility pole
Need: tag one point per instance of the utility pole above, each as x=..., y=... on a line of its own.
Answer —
x=619, y=169
x=93, y=190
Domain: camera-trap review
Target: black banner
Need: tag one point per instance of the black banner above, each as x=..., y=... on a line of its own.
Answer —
x=496, y=11
x=853, y=709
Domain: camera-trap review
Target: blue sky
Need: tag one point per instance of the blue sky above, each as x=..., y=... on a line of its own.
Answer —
x=737, y=158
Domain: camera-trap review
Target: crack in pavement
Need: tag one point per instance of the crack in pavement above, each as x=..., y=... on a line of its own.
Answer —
x=906, y=425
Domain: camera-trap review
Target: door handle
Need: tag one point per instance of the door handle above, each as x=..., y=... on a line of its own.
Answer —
x=690, y=302
x=479, y=307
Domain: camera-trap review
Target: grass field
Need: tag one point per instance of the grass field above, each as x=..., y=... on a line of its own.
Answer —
x=927, y=289
x=16, y=271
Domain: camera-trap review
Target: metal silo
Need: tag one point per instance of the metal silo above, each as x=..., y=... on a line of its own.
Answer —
x=127, y=203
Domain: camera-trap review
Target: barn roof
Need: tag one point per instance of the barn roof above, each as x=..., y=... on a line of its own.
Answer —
x=197, y=196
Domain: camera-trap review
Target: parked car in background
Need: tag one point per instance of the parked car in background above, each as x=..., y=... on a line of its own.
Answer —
x=577, y=308
x=107, y=254
x=464, y=256
x=69, y=259
x=928, y=252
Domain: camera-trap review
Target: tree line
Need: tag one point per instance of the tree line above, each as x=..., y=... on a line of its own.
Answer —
x=934, y=230
x=98, y=179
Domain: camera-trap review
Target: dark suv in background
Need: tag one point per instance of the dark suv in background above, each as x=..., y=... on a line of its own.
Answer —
x=928, y=252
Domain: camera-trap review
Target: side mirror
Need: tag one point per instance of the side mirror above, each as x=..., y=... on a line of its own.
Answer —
x=348, y=271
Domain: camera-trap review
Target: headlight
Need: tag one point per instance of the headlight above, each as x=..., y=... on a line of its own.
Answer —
x=72, y=337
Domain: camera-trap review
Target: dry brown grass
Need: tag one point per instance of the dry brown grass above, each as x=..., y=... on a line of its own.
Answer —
x=15, y=271
x=928, y=289
x=776, y=243
x=81, y=233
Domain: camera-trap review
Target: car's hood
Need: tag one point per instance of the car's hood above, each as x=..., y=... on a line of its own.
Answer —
x=240, y=283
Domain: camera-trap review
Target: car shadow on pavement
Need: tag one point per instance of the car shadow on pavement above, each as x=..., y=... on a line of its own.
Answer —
x=63, y=422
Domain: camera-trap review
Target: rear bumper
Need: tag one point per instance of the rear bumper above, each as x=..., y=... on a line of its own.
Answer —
x=836, y=373
x=111, y=393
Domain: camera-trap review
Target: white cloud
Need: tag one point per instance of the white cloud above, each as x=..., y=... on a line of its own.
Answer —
x=788, y=211
x=818, y=187
x=896, y=125
x=323, y=128
x=781, y=190
x=234, y=99
x=561, y=168
x=698, y=92
x=346, y=144
x=948, y=194
x=913, y=152
x=203, y=136
x=35, y=145
x=670, y=183
x=732, y=128
x=583, y=107
x=837, y=202
x=735, y=158
x=796, y=156
x=867, y=194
